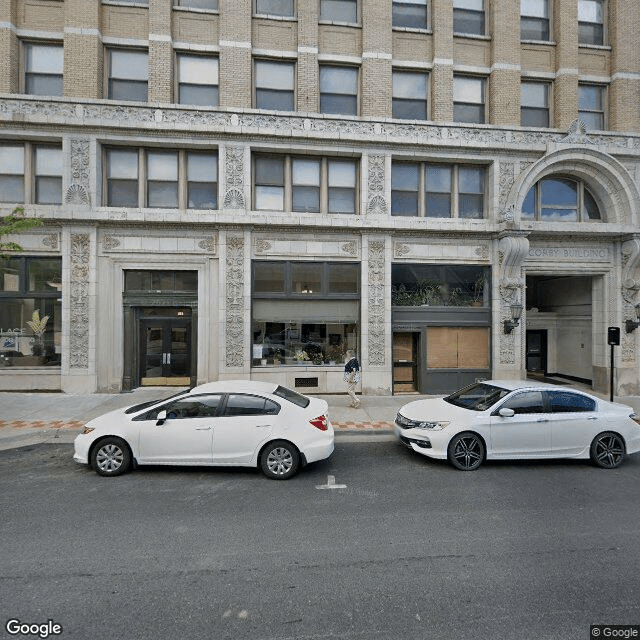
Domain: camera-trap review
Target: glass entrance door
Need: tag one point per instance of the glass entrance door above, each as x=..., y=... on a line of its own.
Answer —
x=404, y=362
x=165, y=357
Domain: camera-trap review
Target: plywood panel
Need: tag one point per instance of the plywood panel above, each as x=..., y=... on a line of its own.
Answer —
x=442, y=348
x=473, y=348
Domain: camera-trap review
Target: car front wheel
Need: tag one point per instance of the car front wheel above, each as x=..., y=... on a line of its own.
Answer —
x=111, y=457
x=279, y=460
x=607, y=450
x=466, y=451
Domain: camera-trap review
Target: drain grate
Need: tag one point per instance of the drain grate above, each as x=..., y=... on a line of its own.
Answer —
x=306, y=382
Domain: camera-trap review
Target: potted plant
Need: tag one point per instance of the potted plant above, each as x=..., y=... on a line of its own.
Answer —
x=38, y=325
x=301, y=357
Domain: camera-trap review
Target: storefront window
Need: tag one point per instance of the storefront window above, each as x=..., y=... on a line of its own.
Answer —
x=30, y=312
x=304, y=312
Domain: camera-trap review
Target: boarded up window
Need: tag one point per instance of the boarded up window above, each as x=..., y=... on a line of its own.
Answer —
x=458, y=348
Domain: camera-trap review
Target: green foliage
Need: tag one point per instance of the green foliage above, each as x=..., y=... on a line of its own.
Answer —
x=13, y=223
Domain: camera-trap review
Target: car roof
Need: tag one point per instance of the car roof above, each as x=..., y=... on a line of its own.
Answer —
x=235, y=386
x=513, y=385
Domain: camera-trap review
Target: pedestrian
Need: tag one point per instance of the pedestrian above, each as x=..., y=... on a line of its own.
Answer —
x=352, y=377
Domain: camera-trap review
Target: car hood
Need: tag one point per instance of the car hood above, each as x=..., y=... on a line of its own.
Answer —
x=436, y=409
x=110, y=419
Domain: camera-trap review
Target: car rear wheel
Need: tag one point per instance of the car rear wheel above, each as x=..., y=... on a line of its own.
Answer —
x=607, y=450
x=466, y=451
x=111, y=457
x=279, y=460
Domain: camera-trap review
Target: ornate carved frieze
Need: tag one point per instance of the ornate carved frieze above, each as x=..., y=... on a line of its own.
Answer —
x=51, y=240
x=507, y=175
x=234, y=178
x=78, y=191
x=79, y=301
x=109, y=243
x=235, y=311
x=376, y=303
x=577, y=134
x=351, y=248
x=630, y=287
x=376, y=205
x=208, y=245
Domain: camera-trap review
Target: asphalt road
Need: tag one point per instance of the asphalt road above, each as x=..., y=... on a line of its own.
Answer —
x=409, y=549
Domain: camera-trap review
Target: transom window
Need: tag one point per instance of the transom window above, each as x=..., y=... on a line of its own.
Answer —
x=437, y=191
x=534, y=20
x=305, y=184
x=211, y=5
x=468, y=99
x=128, y=75
x=534, y=104
x=339, y=90
x=275, y=85
x=591, y=22
x=165, y=179
x=591, y=105
x=197, y=80
x=31, y=174
x=468, y=17
x=410, y=95
x=562, y=200
x=280, y=8
x=410, y=14
x=43, y=69
x=339, y=11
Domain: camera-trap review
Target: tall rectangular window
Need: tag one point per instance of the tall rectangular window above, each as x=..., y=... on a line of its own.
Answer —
x=591, y=106
x=534, y=104
x=591, y=22
x=339, y=90
x=43, y=69
x=269, y=183
x=305, y=185
x=128, y=75
x=12, y=174
x=468, y=17
x=468, y=99
x=342, y=186
x=274, y=85
x=437, y=190
x=122, y=178
x=410, y=14
x=339, y=11
x=48, y=175
x=197, y=80
x=409, y=95
x=162, y=179
x=211, y=5
x=280, y=8
x=534, y=20
x=202, y=180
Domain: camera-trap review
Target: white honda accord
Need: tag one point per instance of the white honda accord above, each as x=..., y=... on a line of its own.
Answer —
x=499, y=419
x=233, y=423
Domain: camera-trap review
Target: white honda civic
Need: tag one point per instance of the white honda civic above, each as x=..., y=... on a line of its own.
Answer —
x=233, y=423
x=499, y=419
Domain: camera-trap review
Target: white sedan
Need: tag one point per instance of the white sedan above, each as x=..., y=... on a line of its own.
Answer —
x=234, y=423
x=499, y=419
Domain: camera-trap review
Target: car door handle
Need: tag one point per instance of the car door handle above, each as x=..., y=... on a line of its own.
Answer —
x=543, y=420
x=263, y=426
x=203, y=428
x=592, y=418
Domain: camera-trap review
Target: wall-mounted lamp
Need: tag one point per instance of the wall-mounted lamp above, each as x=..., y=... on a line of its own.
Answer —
x=516, y=313
x=632, y=325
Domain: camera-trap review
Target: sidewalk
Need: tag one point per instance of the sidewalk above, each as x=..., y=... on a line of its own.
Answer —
x=34, y=418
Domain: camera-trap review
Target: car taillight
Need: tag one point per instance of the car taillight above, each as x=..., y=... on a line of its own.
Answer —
x=319, y=423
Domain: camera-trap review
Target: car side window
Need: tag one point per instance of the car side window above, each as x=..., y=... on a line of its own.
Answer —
x=194, y=407
x=568, y=402
x=526, y=402
x=240, y=404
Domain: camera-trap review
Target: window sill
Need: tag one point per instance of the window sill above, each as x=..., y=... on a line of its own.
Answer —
x=336, y=23
x=472, y=36
x=595, y=47
x=413, y=30
x=268, y=16
x=214, y=12
x=549, y=43
x=115, y=3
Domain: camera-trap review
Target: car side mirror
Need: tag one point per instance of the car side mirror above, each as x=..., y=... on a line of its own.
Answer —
x=162, y=416
x=506, y=412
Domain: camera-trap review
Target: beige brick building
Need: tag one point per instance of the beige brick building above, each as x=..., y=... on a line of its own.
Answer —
x=249, y=188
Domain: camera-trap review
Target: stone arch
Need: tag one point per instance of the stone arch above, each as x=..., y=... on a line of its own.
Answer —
x=607, y=179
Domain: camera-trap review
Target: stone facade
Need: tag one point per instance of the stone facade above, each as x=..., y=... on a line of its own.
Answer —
x=98, y=243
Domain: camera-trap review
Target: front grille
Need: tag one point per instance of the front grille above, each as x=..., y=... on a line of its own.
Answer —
x=423, y=444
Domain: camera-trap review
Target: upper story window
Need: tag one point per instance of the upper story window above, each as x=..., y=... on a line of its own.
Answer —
x=197, y=80
x=410, y=95
x=128, y=75
x=305, y=184
x=410, y=13
x=534, y=20
x=30, y=174
x=280, y=8
x=339, y=90
x=339, y=11
x=591, y=22
x=275, y=85
x=43, y=64
x=591, y=105
x=468, y=17
x=437, y=191
x=560, y=200
x=534, y=104
x=211, y=5
x=182, y=179
x=468, y=99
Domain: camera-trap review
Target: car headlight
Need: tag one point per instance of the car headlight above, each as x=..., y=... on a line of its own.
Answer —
x=435, y=426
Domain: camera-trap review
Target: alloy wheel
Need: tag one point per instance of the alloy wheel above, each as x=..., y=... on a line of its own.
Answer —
x=466, y=452
x=608, y=450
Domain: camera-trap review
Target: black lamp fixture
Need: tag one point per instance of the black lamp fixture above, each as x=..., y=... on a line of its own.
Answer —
x=632, y=325
x=516, y=313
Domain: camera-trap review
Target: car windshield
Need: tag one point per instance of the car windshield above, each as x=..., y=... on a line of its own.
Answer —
x=292, y=396
x=477, y=397
x=143, y=405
